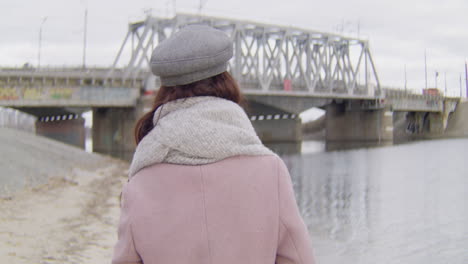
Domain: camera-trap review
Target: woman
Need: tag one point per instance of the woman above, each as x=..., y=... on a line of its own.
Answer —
x=202, y=188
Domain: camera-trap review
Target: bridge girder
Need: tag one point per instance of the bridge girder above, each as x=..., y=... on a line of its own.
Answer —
x=267, y=57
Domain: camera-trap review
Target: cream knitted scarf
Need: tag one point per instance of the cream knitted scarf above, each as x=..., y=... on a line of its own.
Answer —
x=197, y=130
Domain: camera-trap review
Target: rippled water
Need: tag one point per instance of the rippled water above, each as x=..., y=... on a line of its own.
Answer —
x=400, y=204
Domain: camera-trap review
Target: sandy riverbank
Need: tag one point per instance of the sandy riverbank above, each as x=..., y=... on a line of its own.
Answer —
x=70, y=217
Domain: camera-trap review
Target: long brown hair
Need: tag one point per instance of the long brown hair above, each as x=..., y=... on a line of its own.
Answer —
x=221, y=85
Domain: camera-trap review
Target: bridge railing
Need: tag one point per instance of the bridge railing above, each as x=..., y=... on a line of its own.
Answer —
x=67, y=77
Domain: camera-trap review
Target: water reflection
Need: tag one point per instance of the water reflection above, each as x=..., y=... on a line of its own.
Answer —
x=400, y=204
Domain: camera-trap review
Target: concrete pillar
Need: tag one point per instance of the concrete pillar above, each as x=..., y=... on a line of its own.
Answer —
x=283, y=136
x=405, y=126
x=437, y=123
x=67, y=131
x=113, y=132
x=417, y=122
x=280, y=130
x=353, y=128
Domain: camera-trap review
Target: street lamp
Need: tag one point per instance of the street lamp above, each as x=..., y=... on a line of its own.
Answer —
x=200, y=6
x=85, y=31
x=405, y=80
x=84, y=37
x=425, y=66
x=44, y=19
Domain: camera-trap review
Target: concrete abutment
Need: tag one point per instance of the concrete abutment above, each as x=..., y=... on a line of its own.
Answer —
x=113, y=131
x=283, y=136
x=411, y=126
x=71, y=131
x=347, y=127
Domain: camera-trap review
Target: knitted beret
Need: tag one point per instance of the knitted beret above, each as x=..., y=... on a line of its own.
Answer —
x=194, y=53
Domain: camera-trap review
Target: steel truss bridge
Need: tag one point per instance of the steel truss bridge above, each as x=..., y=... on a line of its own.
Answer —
x=290, y=68
x=268, y=58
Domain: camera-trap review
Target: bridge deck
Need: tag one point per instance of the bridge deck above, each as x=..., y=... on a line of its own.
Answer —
x=72, y=87
x=85, y=96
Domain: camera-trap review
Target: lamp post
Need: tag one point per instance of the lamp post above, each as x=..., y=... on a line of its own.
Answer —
x=84, y=36
x=460, y=85
x=445, y=81
x=405, y=80
x=466, y=78
x=200, y=6
x=425, y=66
x=85, y=30
x=44, y=19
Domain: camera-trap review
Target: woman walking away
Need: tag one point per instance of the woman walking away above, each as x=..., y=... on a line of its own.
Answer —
x=202, y=188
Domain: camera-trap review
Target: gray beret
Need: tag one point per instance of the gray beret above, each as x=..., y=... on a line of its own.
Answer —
x=194, y=53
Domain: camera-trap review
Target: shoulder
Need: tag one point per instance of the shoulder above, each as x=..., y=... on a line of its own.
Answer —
x=165, y=173
x=245, y=162
x=159, y=171
x=269, y=158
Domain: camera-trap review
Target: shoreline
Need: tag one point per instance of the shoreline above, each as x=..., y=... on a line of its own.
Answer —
x=70, y=219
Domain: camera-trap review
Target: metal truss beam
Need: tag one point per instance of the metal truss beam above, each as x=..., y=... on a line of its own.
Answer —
x=267, y=57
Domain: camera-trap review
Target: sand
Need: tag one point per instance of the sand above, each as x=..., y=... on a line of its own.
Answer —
x=69, y=218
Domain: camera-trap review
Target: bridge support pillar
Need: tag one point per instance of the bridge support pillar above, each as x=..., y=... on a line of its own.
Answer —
x=437, y=123
x=113, y=132
x=70, y=131
x=348, y=127
x=427, y=124
x=280, y=135
x=279, y=130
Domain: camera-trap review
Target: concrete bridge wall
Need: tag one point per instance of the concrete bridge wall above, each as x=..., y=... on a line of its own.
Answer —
x=351, y=128
x=67, y=96
x=274, y=125
x=458, y=122
x=71, y=131
x=113, y=131
x=428, y=125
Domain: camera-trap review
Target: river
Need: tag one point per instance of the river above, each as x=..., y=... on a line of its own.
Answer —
x=398, y=204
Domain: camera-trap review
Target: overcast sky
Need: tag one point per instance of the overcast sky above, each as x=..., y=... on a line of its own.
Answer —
x=399, y=30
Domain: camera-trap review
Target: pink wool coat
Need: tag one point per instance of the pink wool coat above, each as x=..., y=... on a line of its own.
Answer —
x=238, y=210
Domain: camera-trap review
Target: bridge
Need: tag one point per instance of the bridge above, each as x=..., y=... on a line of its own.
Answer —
x=282, y=71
